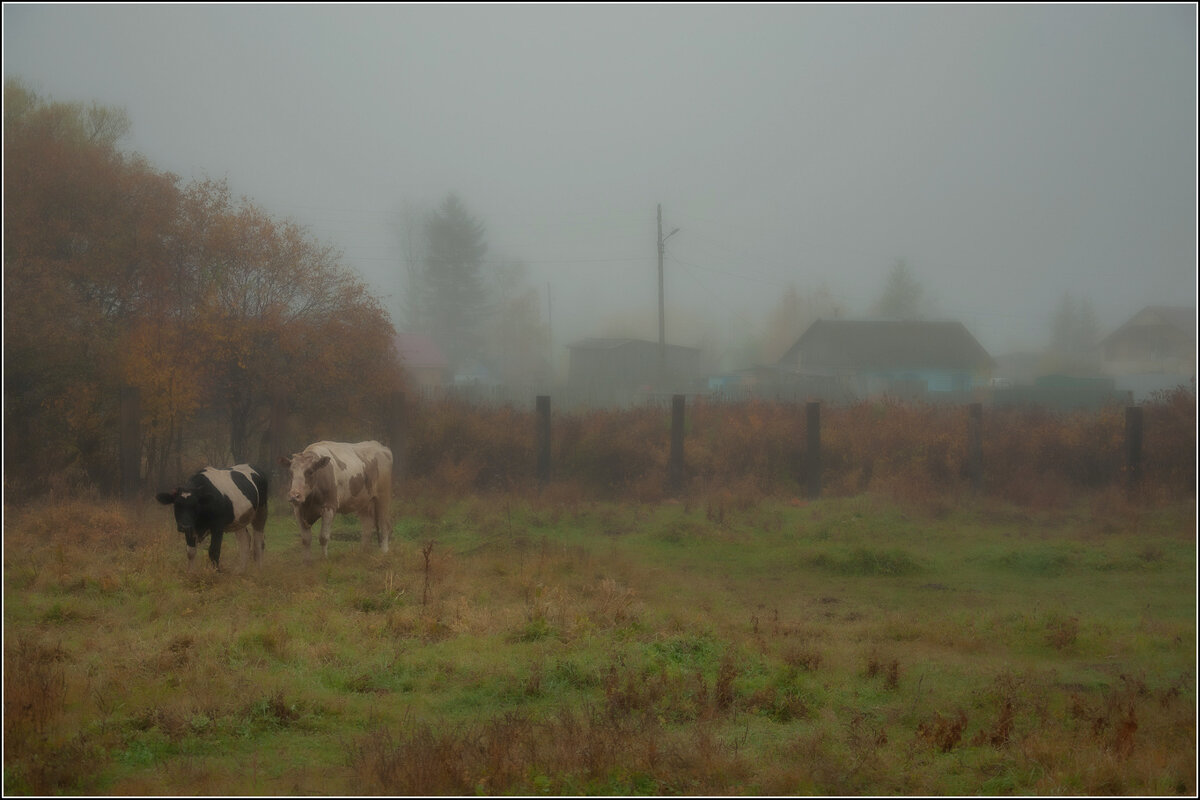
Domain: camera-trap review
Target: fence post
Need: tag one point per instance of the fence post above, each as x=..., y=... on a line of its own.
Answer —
x=975, y=445
x=675, y=465
x=130, y=457
x=543, y=439
x=813, y=428
x=1133, y=449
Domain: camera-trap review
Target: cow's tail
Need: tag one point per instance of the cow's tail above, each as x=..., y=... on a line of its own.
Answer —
x=259, y=477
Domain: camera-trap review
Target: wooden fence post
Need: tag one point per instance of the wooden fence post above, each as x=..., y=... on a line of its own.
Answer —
x=1133, y=449
x=543, y=439
x=130, y=448
x=975, y=445
x=675, y=465
x=813, y=428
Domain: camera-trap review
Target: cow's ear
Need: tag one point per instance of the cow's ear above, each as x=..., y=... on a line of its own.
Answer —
x=285, y=461
x=166, y=498
x=320, y=462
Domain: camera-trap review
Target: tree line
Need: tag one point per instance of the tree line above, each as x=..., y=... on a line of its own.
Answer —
x=117, y=274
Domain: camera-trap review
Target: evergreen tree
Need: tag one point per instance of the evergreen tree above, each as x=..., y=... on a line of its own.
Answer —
x=451, y=283
x=902, y=294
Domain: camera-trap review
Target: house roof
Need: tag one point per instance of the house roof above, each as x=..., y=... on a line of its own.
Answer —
x=1182, y=318
x=611, y=343
x=418, y=350
x=889, y=344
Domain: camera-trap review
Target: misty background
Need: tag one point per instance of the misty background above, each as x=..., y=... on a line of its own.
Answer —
x=1008, y=155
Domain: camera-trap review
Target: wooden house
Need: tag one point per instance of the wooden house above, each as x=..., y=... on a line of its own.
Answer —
x=898, y=358
x=1153, y=350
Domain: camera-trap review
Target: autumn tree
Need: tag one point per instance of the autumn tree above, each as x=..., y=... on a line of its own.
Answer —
x=277, y=318
x=792, y=315
x=114, y=276
x=84, y=236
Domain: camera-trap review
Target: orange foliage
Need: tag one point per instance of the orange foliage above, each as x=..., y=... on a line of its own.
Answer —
x=115, y=276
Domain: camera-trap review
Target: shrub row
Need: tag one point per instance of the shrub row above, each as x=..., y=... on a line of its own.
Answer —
x=1030, y=456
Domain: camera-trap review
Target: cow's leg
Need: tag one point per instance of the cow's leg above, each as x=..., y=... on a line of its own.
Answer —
x=260, y=544
x=367, y=521
x=260, y=536
x=191, y=557
x=214, y=549
x=244, y=547
x=326, y=530
x=383, y=525
x=305, y=535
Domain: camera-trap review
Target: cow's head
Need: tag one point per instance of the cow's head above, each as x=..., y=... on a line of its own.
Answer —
x=302, y=466
x=191, y=508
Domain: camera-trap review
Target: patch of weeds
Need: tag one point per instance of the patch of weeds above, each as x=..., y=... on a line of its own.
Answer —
x=60, y=614
x=685, y=651
x=571, y=675
x=373, y=603
x=1041, y=564
x=273, y=712
x=943, y=733
x=534, y=630
x=779, y=704
x=353, y=683
x=1000, y=735
x=35, y=686
x=680, y=530
x=888, y=669
x=863, y=562
x=803, y=658
x=271, y=643
x=146, y=749
x=1062, y=634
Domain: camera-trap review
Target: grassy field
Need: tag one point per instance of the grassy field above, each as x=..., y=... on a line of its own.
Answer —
x=846, y=646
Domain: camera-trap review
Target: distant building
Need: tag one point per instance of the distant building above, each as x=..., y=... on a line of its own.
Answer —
x=899, y=358
x=604, y=370
x=1155, y=349
x=423, y=360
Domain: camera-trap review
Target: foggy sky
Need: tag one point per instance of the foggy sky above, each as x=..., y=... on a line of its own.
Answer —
x=1007, y=153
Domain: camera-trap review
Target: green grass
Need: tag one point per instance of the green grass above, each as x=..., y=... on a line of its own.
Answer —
x=507, y=645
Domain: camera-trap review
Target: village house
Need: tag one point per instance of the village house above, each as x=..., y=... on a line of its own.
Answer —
x=898, y=358
x=1155, y=349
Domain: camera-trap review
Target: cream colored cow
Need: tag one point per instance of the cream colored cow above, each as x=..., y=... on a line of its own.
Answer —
x=330, y=478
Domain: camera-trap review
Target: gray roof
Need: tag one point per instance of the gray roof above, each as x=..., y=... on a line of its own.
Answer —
x=889, y=344
x=1182, y=318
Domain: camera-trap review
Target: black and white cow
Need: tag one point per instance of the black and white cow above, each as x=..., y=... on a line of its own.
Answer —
x=217, y=500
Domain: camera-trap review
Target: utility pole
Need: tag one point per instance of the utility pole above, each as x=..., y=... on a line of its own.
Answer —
x=662, y=323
